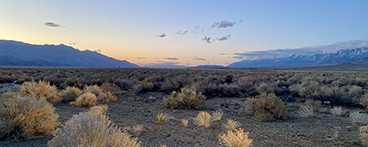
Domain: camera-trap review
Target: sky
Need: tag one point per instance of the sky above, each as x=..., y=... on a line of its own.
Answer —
x=190, y=32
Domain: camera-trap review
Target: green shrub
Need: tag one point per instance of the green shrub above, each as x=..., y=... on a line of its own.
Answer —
x=265, y=107
x=186, y=99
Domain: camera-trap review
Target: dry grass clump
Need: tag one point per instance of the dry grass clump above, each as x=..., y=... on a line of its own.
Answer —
x=359, y=118
x=40, y=89
x=160, y=118
x=186, y=99
x=25, y=117
x=95, y=89
x=216, y=116
x=265, y=107
x=86, y=129
x=236, y=138
x=86, y=99
x=70, y=94
x=185, y=122
x=203, y=119
x=99, y=110
x=337, y=111
x=231, y=124
x=363, y=135
x=107, y=97
x=306, y=111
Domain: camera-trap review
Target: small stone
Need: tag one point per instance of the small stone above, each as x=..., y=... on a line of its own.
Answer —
x=337, y=127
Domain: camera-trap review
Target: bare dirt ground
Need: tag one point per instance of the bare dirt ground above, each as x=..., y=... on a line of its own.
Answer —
x=322, y=130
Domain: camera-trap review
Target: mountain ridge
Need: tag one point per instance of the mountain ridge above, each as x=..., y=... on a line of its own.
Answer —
x=59, y=54
x=354, y=56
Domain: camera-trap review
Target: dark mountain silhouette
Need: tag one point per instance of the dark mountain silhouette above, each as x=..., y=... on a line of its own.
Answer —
x=55, y=55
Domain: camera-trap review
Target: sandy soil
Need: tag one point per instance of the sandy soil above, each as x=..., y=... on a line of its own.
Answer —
x=323, y=130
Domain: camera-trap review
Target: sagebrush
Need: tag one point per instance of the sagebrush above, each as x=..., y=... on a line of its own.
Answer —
x=265, y=107
x=186, y=99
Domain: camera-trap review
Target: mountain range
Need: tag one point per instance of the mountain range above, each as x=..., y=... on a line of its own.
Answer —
x=14, y=53
x=354, y=56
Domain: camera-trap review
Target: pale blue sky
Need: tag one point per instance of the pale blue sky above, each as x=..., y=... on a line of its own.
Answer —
x=127, y=29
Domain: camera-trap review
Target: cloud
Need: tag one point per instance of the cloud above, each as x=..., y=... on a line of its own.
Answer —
x=238, y=57
x=311, y=50
x=171, y=58
x=161, y=35
x=201, y=59
x=207, y=39
x=72, y=43
x=182, y=33
x=141, y=58
x=164, y=64
x=51, y=24
x=222, y=38
x=223, y=54
x=223, y=24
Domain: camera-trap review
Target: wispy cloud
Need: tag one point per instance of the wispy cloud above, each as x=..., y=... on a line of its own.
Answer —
x=181, y=33
x=141, y=58
x=238, y=57
x=311, y=50
x=223, y=38
x=51, y=24
x=223, y=24
x=201, y=59
x=170, y=58
x=161, y=35
x=72, y=43
x=207, y=39
x=165, y=62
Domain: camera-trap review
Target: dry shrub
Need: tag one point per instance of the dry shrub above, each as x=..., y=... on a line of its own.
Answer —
x=70, y=94
x=306, y=111
x=315, y=104
x=231, y=124
x=26, y=117
x=107, y=97
x=364, y=100
x=41, y=89
x=99, y=110
x=236, y=138
x=86, y=129
x=337, y=111
x=134, y=130
x=363, y=135
x=359, y=118
x=144, y=86
x=86, y=99
x=160, y=118
x=216, y=116
x=185, y=122
x=95, y=89
x=8, y=130
x=187, y=99
x=203, y=119
x=9, y=88
x=265, y=107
